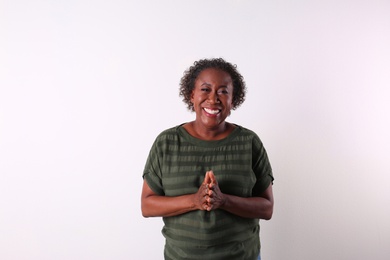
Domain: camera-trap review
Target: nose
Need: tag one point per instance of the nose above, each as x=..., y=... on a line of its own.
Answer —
x=213, y=98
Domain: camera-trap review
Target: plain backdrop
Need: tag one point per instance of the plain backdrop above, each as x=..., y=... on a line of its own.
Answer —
x=86, y=86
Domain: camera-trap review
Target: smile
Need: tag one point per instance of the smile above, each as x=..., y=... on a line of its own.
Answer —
x=212, y=111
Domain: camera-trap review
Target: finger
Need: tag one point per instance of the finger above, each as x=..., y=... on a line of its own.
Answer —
x=206, y=206
x=210, y=203
x=209, y=206
x=207, y=178
x=212, y=177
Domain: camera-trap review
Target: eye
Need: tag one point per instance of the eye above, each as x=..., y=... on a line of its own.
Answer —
x=223, y=92
x=204, y=89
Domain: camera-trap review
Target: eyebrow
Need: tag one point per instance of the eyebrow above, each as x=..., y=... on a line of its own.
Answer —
x=208, y=85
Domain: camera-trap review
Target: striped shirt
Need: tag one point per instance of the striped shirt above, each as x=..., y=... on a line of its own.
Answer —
x=176, y=166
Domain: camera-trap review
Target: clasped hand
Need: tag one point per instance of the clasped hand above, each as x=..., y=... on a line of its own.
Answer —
x=209, y=196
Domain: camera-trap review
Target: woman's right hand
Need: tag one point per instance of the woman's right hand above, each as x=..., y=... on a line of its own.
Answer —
x=154, y=205
x=201, y=196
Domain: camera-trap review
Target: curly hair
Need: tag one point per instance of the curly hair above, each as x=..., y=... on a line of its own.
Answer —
x=187, y=82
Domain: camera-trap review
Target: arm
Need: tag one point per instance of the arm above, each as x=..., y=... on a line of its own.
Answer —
x=154, y=205
x=252, y=207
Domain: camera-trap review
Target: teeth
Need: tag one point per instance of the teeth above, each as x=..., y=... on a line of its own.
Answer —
x=210, y=111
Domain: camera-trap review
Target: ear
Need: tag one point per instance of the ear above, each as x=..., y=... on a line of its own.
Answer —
x=192, y=97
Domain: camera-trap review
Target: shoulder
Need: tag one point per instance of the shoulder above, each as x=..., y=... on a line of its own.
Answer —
x=247, y=133
x=170, y=134
x=169, y=131
x=249, y=137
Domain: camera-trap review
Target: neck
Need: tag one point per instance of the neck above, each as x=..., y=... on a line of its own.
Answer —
x=215, y=133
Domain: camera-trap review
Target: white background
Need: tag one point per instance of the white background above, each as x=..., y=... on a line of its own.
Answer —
x=85, y=87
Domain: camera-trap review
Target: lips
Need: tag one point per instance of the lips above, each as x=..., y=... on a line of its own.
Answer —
x=212, y=111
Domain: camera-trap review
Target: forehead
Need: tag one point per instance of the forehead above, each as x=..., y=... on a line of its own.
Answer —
x=214, y=76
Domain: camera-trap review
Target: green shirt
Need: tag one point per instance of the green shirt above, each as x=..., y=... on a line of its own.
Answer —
x=177, y=164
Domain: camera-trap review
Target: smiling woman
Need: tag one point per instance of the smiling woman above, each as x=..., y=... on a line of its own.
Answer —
x=209, y=179
x=212, y=101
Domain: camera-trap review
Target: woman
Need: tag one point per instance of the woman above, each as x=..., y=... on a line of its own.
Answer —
x=209, y=179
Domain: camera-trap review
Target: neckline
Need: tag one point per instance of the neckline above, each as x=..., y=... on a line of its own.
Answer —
x=207, y=143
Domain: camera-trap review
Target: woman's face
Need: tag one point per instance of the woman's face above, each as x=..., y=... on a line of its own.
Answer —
x=212, y=97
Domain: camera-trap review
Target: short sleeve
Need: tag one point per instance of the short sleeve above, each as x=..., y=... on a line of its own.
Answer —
x=152, y=171
x=261, y=167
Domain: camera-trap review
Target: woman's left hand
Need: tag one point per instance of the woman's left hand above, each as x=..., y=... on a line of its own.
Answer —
x=260, y=206
x=215, y=198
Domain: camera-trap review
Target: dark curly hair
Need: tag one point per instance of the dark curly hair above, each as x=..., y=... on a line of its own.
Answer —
x=187, y=82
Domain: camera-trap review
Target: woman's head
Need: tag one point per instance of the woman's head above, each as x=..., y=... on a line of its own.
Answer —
x=187, y=82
